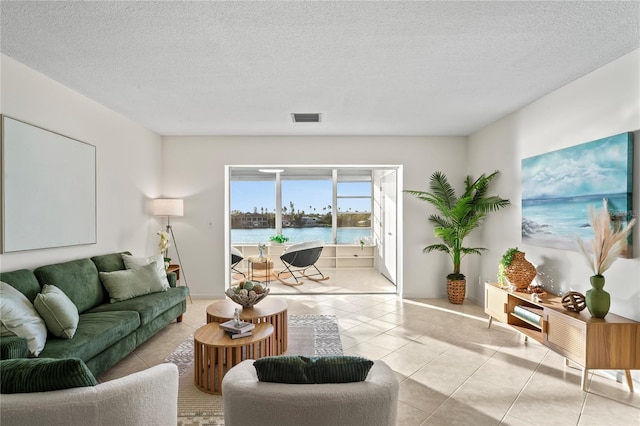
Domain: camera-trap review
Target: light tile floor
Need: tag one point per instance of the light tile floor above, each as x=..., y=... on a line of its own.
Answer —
x=452, y=369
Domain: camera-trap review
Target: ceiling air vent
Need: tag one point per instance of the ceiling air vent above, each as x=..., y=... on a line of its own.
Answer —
x=305, y=117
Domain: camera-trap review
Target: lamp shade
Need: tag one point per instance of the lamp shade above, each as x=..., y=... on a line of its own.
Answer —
x=168, y=207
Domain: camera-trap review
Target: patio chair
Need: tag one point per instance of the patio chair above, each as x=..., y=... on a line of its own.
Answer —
x=236, y=257
x=298, y=258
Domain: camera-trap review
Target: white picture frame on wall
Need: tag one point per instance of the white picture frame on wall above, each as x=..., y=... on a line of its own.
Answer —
x=48, y=189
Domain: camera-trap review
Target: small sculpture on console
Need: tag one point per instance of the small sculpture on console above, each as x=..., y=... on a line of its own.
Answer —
x=574, y=301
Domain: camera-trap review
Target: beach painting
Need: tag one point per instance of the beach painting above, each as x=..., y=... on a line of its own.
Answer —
x=558, y=187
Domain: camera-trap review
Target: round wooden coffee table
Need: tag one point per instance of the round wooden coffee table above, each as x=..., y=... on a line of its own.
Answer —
x=270, y=310
x=215, y=352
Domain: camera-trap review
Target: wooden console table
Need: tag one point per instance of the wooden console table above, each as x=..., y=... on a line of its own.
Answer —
x=612, y=343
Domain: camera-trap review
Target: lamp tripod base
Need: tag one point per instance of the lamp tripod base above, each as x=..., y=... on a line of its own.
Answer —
x=184, y=276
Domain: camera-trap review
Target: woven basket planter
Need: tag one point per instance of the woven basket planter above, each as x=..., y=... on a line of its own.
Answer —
x=456, y=290
x=521, y=272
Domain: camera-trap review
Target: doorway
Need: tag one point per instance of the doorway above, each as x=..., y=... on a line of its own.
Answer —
x=359, y=226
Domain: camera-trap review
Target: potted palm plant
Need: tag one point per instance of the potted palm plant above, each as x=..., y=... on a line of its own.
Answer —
x=457, y=218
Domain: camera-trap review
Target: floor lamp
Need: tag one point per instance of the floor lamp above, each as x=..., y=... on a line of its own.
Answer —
x=171, y=207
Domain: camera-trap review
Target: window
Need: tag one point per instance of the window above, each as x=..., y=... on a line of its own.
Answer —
x=354, y=210
x=252, y=210
x=307, y=204
x=306, y=209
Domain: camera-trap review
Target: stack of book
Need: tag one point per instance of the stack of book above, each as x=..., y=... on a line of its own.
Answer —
x=238, y=329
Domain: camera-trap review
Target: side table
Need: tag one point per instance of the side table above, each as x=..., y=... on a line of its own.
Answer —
x=214, y=353
x=270, y=310
x=176, y=269
x=260, y=269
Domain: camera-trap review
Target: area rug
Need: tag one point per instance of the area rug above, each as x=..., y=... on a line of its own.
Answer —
x=309, y=335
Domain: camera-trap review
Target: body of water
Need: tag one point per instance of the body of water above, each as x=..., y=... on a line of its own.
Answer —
x=566, y=217
x=298, y=235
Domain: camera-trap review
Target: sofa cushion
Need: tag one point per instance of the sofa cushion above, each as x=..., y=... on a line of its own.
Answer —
x=303, y=370
x=132, y=262
x=109, y=262
x=43, y=375
x=20, y=318
x=22, y=280
x=58, y=311
x=96, y=332
x=149, y=306
x=78, y=279
x=130, y=283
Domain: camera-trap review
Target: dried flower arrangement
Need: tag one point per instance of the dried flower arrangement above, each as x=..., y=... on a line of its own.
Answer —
x=608, y=241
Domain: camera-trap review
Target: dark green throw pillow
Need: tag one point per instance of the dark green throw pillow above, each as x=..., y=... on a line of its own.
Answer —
x=339, y=369
x=303, y=370
x=283, y=369
x=13, y=347
x=26, y=375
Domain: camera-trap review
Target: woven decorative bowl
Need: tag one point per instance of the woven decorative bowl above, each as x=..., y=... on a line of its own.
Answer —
x=247, y=293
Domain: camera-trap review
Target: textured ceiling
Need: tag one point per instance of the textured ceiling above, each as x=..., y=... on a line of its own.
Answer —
x=370, y=68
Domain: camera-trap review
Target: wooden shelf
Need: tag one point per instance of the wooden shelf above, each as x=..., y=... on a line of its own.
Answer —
x=531, y=323
x=534, y=334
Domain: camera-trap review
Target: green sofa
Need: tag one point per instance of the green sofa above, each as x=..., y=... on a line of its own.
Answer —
x=107, y=332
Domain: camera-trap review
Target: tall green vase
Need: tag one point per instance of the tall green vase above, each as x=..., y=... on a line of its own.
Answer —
x=598, y=300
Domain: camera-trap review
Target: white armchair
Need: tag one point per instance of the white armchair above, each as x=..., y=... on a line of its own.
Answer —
x=148, y=397
x=247, y=401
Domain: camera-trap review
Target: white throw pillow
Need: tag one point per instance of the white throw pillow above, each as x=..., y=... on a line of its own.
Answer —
x=5, y=332
x=131, y=262
x=20, y=317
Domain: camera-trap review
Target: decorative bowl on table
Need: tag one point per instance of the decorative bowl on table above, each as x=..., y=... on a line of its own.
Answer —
x=247, y=293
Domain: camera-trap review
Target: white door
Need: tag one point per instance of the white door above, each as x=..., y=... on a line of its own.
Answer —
x=388, y=185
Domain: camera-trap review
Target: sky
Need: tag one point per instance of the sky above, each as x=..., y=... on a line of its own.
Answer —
x=245, y=195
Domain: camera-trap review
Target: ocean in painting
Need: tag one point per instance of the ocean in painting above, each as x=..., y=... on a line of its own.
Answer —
x=298, y=235
x=555, y=222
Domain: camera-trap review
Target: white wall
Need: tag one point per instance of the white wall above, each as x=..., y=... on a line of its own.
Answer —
x=193, y=168
x=132, y=168
x=603, y=103
x=128, y=163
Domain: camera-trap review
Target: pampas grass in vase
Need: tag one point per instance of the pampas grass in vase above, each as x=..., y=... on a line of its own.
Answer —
x=607, y=245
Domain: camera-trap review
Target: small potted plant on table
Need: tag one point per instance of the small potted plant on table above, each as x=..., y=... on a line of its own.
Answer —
x=278, y=239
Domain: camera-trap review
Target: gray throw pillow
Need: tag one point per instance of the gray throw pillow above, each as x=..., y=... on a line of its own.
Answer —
x=58, y=311
x=130, y=283
x=131, y=262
